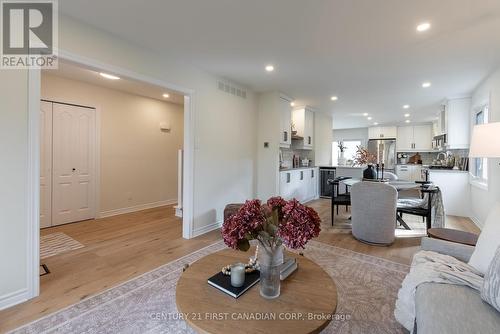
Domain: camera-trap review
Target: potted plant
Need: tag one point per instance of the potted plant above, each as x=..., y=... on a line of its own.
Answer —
x=364, y=157
x=342, y=159
x=274, y=224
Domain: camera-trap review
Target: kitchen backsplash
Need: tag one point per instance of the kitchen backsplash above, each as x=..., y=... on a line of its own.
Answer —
x=287, y=156
x=428, y=157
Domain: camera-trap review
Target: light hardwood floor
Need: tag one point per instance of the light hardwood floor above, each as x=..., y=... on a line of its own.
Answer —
x=122, y=247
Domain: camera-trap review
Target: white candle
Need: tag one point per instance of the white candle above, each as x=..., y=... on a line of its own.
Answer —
x=237, y=275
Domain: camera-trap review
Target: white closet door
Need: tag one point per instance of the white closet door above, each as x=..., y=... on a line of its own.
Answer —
x=45, y=164
x=73, y=164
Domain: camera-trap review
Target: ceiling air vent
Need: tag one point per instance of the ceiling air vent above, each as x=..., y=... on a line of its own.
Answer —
x=232, y=89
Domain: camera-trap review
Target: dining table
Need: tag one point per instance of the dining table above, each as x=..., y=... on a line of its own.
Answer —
x=401, y=185
x=398, y=184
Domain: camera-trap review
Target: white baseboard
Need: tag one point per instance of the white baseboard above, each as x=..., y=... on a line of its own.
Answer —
x=477, y=222
x=205, y=229
x=136, y=208
x=13, y=298
x=178, y=211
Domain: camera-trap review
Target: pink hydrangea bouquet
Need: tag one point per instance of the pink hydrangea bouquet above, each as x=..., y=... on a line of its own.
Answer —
x=276, y=223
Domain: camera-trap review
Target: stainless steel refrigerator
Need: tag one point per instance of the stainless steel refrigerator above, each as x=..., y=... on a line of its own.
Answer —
x=385, y=151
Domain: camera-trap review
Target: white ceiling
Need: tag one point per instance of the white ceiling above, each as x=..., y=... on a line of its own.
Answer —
x=365, y=51
x=76, y=72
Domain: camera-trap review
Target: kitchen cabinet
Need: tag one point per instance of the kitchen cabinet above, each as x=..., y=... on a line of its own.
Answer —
x=303, y=120
x=436, y=131
x=422, y=137
x=301, y=184
x=455, y=189
x=416, y=138
x=405, y=138
x=383, y=132
x=409, y=172
x=285, y=111
x=458, y=123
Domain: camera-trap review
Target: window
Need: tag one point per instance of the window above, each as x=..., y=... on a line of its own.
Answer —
x=349, y=152
x=479, y=168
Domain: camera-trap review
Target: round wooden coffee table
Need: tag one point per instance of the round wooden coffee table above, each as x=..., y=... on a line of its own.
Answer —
x=456, y=236
x=307, y=302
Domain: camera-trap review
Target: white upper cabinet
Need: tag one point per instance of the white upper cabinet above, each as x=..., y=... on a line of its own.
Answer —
x=422, y=137
x=414, y=138
x=303, y=120
x=405, y=138
x=382, y=132
x=458, y=123
x=285, y=111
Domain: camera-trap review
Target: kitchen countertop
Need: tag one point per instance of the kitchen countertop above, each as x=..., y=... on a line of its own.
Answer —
x=413, y=164
x=447, y=171
x=296, y=168
x=352, y=167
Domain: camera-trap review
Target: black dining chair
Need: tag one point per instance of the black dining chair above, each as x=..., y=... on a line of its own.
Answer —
x=417, y=206
x=337, y=198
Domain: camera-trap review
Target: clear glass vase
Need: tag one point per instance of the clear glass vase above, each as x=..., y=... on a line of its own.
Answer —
x=270, y=260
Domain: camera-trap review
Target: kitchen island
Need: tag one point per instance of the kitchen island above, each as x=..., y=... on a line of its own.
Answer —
x=455, y=188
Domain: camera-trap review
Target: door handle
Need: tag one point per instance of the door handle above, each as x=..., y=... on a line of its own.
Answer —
x=74, y=169
x=287, y=177
x=301, y=175
x=285, y=136
x=309, y=138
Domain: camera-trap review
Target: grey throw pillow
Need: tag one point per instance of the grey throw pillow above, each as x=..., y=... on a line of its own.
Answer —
x=490, y=292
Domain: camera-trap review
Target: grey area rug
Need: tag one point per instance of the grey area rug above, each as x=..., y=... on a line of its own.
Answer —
x=367, y=289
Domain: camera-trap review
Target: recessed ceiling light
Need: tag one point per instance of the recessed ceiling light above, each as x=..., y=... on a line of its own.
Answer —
x=166, y=95
x=406, y=106
x=109, y=76
x=423, y=26
x=269, y=68
x=292, y=104
x=375, y=123
x=407, y=121
x=365, y=114
x=407, y=115
x=334, y=98
x=426, y=84
x=369, y=118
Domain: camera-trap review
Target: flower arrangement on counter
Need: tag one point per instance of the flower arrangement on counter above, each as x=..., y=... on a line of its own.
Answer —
x=341, y=146
x=278, y=222
x=364, y=157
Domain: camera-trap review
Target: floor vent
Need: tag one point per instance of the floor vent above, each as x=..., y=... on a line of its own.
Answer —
x=232, y=89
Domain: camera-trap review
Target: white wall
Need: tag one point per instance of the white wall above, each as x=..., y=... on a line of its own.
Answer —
x=138, y=161
x=225, y=137
x=268, y=157
x=483, y=200
x=13, y=171
x=225, y=124
x=351, y=134
x=323, y=138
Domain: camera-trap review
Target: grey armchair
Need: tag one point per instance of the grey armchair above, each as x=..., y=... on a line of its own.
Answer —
x=373, y=209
